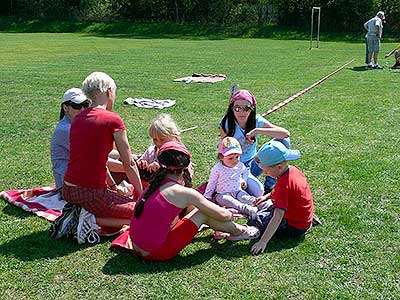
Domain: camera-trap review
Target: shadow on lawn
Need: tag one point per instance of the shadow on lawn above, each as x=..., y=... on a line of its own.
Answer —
x=127, y=263
x=39, y=245
x=11, y=210
x=360, y=69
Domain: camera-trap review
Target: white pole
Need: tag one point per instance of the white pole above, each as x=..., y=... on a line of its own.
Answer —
x=319, y=19
x=312, y=26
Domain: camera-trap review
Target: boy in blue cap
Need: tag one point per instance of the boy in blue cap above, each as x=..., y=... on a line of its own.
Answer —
x=292, y=209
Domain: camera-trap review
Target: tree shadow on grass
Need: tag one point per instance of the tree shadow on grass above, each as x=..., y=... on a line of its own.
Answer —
x=127, y=262
x=39, y=245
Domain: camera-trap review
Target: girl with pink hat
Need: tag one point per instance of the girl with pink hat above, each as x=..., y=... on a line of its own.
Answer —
x=243, y=123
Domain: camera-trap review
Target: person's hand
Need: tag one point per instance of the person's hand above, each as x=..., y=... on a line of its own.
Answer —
x=250, y=136
x=142, y=164
x=258, y=248
x=261, y=199
x=123, y=191
x=154, y=166
x=243, y=185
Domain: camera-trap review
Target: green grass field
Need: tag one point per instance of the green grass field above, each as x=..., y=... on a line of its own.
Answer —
x=347, y=129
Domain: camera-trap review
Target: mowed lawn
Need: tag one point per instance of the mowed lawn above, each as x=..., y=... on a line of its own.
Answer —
x=347, y=129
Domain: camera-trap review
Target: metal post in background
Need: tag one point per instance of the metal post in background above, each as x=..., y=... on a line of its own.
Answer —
x=312, y=25
x=319, y=22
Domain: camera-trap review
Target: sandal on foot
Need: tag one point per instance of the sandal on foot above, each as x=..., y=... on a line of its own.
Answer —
x=219, y=235
x=251, y=232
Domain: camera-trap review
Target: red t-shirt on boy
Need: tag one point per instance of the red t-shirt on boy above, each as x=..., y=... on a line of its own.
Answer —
x=292, y=194
x=91, y=140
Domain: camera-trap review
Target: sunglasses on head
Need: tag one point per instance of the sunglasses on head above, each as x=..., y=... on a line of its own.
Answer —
x=245, y=108
x=84, y=104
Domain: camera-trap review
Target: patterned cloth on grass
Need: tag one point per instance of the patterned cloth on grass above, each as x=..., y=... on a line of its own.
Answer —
x=44, y=202
x=202, y=78
x=150, y=103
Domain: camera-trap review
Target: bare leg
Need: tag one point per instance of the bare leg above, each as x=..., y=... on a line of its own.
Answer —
x=199, y=218
x=115, y=165
x=114, y=154
x=112, y=222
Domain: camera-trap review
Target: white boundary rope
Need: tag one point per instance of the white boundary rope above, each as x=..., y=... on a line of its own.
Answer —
x=291, y=98
x=188, y=129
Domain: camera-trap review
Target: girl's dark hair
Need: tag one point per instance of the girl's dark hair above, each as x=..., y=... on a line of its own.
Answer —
x=62, y=112
x=171, y=162
x=230, y=117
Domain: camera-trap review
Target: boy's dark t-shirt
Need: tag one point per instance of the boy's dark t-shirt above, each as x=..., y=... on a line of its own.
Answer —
x=292, y=194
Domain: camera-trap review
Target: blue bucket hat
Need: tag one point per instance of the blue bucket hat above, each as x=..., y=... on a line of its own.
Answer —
x=275, y=152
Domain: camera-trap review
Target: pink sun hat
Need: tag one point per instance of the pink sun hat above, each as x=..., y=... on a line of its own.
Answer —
x=243, y=95
x=174, y=145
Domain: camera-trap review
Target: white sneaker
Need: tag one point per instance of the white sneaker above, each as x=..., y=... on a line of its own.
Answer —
x=87, y=230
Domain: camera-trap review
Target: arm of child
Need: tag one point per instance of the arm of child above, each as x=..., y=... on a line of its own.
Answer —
x=121, y=141
x=149, y=154
x=212, y=184
x=245, y=176
x=273, y=225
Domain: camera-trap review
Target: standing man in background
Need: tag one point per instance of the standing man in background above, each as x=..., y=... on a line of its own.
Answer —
x=374, y=28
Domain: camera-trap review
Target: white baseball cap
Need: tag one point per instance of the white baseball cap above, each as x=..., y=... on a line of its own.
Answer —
x=381, y=14
x=75, y=95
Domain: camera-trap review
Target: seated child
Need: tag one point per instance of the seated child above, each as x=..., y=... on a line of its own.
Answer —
x=292, y=209
x=162, y=129
x=228, y=179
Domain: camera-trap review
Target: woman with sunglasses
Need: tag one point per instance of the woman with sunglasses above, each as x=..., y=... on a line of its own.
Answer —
x=242, y=123
x=74, y=101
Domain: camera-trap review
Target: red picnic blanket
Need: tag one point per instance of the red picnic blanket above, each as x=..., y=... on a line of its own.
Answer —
x=45, y=203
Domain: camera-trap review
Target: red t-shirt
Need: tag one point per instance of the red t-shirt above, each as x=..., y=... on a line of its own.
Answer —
x=292, y=193
x=91, y=139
